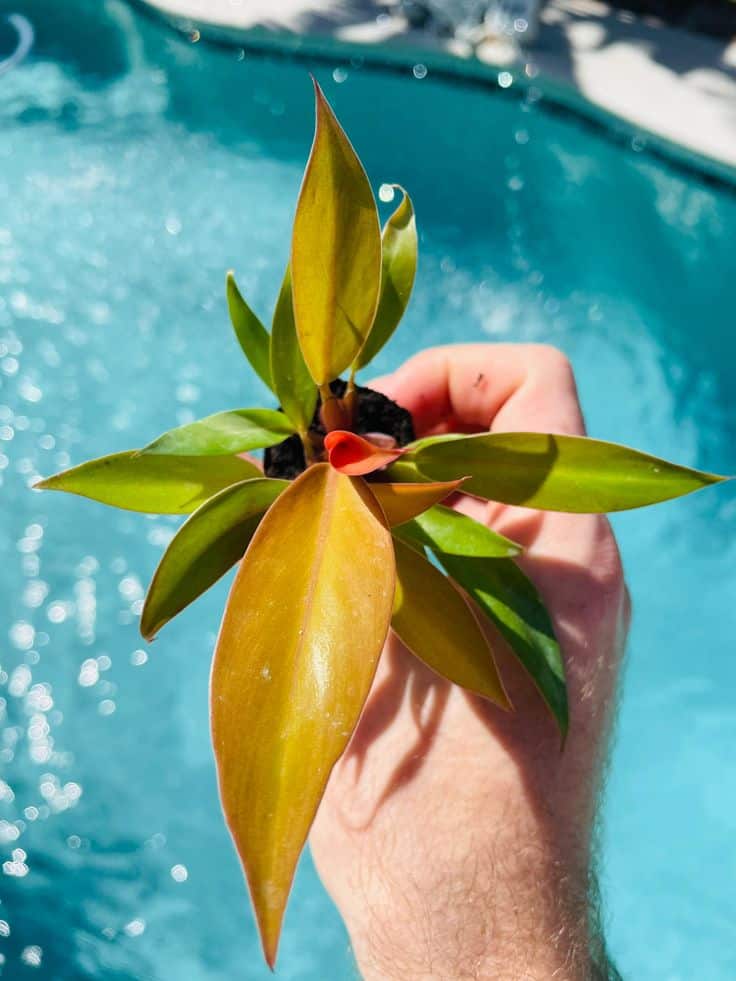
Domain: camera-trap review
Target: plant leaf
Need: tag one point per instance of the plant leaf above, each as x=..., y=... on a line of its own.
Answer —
x=294, y=386
x=453, y=533
x=436, y=623
x=353, y=455
x=405, y=471
x=558, y=473
x=304, y=625
x=209, y=542
x=402, y=502
x=508, y=597
x=335, y=252
x=399, y=267
x=224, y=434
x=150, y=483
x=250, y=332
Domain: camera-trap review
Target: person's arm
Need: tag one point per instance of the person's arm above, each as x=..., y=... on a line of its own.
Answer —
x=456, y=840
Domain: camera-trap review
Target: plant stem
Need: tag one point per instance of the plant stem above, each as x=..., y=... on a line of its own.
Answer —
x=331, y=412
x=350, y=401
x=308, y=445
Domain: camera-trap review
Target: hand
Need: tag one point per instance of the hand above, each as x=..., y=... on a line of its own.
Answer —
x=455, y=839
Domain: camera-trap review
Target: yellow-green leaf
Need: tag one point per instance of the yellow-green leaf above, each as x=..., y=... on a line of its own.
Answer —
x=305, y=622
x=224, y=434
x=250, y=332
x=557, y=473
x=335, y=252
x=155, y=484
x=399, y=267
x=449, y=531
x=435, y=622
x=294, y=386
x=401, y=502
x=209, y=542
x=509, y=598
x=404, y=470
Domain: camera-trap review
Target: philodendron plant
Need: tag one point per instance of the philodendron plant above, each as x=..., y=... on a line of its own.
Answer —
x=343, y=535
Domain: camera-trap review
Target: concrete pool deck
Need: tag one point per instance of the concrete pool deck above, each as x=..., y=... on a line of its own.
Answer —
x=677, y=86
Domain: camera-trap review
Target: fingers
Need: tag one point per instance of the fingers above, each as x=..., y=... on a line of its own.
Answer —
x=474, y=387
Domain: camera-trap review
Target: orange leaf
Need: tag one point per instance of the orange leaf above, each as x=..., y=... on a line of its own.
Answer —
x=307, y=616
x=353, y=455
x=434, y=620
x=402, y=502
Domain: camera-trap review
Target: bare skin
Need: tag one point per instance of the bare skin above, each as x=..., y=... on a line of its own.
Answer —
x=457, y=841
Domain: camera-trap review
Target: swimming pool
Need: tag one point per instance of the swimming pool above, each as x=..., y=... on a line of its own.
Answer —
x=135, y=167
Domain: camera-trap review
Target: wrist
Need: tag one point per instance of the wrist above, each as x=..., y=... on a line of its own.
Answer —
x=503, y=910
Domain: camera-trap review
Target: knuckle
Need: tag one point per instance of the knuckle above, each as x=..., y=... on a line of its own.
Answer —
x=552, y=361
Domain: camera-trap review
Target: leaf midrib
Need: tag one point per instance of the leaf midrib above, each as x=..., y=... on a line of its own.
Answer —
x=326, y=519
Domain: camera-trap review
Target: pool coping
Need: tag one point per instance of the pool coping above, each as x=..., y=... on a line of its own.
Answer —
x=689, y=119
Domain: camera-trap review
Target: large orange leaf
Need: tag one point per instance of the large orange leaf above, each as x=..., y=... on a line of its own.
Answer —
x=305, y=623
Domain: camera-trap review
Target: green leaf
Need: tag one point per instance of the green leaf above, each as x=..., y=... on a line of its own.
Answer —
x=335, y=252
x=511, y=601
x=155, y=484
x=399, y=267
x=405, y=471
x=224, y=434
x=250, y=332
x=557, y=473
x=435, y=622
x=444, y=529
x=294, y=386
x=209, y=542
x=307, y=616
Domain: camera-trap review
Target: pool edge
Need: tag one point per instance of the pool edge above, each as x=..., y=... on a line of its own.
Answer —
x=442, y=59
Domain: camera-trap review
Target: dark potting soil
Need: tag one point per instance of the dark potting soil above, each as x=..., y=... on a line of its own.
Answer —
x=376, y=414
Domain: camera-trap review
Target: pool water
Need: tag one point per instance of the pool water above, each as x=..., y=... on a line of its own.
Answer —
x=137, y=166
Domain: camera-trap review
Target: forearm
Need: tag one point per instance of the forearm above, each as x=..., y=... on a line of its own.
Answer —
x=460, y=864
x=504, y=907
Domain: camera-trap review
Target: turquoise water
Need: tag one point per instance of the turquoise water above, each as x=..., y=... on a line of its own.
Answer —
x=135, y=167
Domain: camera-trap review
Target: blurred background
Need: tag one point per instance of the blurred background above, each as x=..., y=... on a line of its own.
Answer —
x=143, y=155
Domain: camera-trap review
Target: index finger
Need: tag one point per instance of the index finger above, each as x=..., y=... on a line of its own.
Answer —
x=476, y=387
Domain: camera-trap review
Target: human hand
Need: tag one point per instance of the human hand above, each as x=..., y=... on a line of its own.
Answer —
x=457, y=840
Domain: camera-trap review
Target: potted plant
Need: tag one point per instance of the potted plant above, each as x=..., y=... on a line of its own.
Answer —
x=348, y=531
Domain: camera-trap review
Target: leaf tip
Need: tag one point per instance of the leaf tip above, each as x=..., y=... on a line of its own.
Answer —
x=319, y=94
x=147, y=629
